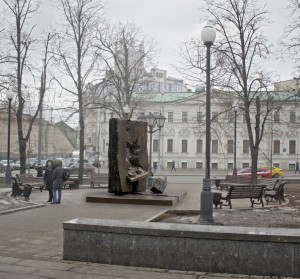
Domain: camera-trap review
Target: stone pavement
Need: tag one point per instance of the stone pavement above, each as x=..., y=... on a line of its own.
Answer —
x=31, y=241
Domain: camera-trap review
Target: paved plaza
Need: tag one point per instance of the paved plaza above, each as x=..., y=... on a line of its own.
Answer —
x=31, y=241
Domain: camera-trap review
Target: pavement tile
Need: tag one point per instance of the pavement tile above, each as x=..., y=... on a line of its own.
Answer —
x=9, y=260
x=46, y=264
x=17, y=269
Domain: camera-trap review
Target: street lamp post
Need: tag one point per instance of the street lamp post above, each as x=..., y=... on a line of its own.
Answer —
x=234, y=152
x=208, y=36
x=10, y=95
x=152, y=120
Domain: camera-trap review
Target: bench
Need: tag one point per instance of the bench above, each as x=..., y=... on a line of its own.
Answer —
x=99, y=178
x=242, y=191
x=29, y=179
x=234, y=179
x=269, y=182
x=275, y=194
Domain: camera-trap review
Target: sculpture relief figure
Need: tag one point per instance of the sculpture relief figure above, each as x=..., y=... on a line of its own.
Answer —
x=135, y=170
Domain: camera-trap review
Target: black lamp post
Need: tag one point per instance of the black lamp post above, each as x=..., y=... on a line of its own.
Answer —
x=10, y=95
x=208, y=36
x=152, y=120
x=234, y=151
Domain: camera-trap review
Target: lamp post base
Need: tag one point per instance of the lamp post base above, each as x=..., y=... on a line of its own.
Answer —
x=149, y=181
x=206, y=212
x=8, y=180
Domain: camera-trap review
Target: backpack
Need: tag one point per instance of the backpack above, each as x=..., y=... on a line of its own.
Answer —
x=66, y=175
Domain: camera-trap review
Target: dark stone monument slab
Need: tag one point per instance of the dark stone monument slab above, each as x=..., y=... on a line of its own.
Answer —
x=128, y=157
x=159, y=186
x=169, y=199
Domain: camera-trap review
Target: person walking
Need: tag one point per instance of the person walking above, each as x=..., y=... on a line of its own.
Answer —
x=58, y=182
x=48, y=180
x=297, y=169
x=173, y=166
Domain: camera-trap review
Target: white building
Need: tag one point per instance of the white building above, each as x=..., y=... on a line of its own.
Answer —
x=182, y=138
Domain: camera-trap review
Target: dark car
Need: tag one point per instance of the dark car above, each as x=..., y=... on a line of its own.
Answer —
x=2, y=168
x=88, y=169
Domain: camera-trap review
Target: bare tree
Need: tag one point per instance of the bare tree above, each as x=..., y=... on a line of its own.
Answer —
x=22, y=43
x=75, y=56
x=291, y=38
x=127, y=54
x=242, y=50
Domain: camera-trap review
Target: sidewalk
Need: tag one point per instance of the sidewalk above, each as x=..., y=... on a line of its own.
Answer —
x=32, y=240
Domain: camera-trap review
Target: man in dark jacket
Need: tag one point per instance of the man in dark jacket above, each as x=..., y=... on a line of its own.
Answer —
x=48, y=178
x=57, y=181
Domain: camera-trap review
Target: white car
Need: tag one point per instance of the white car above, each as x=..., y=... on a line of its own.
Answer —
x=11, y=163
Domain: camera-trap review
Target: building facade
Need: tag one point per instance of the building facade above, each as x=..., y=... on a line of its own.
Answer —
x=182, y=138
x=55, y=143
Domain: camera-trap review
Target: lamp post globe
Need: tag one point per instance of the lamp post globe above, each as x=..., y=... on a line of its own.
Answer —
x=8, y=182
x=208, y=35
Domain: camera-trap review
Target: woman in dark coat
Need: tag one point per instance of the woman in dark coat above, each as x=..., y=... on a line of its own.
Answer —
x=48, y=178
x=57, y=181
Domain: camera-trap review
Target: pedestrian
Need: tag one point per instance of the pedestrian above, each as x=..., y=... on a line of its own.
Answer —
x=297, y=167
x=173, y=166
x=58, y=182
x=48, y=178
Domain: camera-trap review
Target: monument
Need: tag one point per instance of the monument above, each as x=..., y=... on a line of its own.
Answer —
x=128, y=157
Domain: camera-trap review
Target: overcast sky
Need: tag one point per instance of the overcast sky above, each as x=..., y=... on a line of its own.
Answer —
x=170, y=22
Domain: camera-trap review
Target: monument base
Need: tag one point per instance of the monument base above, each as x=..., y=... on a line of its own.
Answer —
x=146, y=198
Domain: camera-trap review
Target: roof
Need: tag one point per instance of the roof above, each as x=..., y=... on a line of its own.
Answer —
x=169, y=97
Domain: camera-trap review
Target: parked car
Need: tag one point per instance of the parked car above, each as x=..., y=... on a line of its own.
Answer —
x=276, y=172
x=17, y=165
x=31, y=162
x=2, y=168
x=262, y=172
x=88, y=169
x=11, y=163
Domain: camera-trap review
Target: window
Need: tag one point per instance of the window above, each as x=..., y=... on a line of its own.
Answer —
x=214, y=116
x=214, y=166
x=103, y=145
x=276, y=147
x=184, y=116
x=111, y=115
x=199, y=146
x=104, y=117
x=155, y=145
x=199, y=165
x=246, y=146
x=184, y=165
x=230, y=166
x=184, y=144
x=246, y=165
x=170, y=116
x=276, y=117
x=230, y=146
x=292, y=116
x=230, y=116
x=214, y=148
x=244, y=118
x=199, y=117
x=170, y=145
x=292, y=147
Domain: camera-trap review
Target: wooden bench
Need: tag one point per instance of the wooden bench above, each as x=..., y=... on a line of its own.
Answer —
x=99, y=178
x=242, y=191
x=269, y=182
x=275, y=194
x=234, y=179
x=29, y=179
